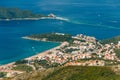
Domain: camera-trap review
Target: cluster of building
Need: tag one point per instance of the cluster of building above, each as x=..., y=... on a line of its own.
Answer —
x=83, y=48
x=87, y=63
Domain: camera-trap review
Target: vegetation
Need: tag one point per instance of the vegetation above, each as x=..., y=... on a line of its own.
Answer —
x=71, y=73
x=10, y=13
x=53, y=37
x=70, y=50
x=117, y=51
x=34, y=75
x=2, y=74
x=21, y=62
x=83, y=73
x=23, y=67
x=111, y=40
x=46, y=64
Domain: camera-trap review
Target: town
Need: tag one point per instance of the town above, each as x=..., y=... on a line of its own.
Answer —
x=82, y=51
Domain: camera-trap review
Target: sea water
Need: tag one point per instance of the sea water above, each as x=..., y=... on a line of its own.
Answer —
x=100, y=19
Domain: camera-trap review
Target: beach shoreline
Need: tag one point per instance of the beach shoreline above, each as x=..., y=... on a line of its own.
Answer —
x=41, y=54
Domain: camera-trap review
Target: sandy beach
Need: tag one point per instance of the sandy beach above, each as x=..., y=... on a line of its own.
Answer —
x=42, y=54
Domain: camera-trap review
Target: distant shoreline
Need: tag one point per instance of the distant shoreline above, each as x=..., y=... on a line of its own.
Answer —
x=25, y=19
x=20, y=19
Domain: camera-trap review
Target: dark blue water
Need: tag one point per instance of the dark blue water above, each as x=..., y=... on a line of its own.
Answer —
x=91, y=17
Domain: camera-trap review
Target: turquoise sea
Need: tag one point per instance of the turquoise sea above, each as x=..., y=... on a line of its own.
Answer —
x=90, y=17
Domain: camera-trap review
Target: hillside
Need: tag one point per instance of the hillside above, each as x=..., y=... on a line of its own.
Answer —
x=83, y=73
x=111, y=40
x=10, y=13
x=71, y=73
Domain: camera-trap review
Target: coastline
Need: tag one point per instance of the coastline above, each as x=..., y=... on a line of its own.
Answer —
x=36, y=39
x=7, y=67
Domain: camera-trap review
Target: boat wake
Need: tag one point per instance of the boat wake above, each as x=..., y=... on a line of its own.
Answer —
x=60, y=18
x=81, y=23
x=95, y=25
x=52, y=16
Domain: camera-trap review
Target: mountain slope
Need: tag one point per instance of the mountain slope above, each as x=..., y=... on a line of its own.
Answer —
x=111, y=40
x=71, y=73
